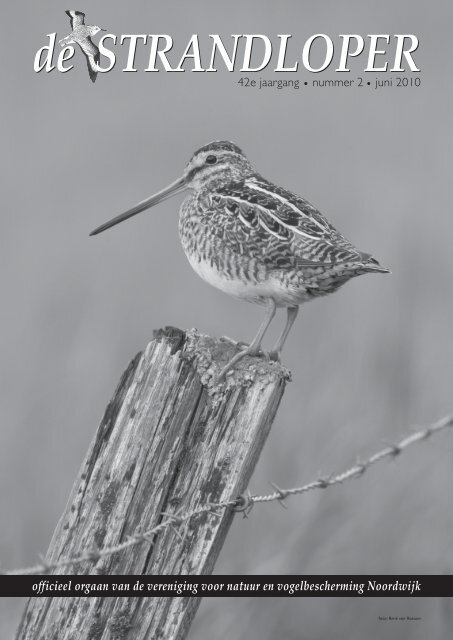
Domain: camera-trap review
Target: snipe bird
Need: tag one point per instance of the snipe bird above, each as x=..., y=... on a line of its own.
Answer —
x=81, y=33
x=256, y=240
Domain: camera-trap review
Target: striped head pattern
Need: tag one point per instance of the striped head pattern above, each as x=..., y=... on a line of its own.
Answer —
x=215, y=164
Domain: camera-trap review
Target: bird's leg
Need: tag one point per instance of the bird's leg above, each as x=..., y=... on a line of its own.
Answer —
x=254, y=347
x=276, y=351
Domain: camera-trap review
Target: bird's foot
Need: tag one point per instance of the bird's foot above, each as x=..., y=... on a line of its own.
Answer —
x=250, y=350
x=236, y=343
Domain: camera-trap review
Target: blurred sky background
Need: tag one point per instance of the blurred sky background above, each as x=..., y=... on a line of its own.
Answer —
x=368, y=362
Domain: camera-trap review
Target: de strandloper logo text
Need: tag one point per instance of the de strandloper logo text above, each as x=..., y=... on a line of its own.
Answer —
x=247, y=53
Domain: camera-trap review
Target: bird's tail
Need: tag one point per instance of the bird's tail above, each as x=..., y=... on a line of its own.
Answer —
x=372, y=265
x=92, y=63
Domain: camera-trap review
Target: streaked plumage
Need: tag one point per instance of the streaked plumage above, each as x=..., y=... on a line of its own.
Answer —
x=255, y=240
x=81, y=35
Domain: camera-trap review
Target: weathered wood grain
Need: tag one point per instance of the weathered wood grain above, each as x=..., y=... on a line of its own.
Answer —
x=170, y=440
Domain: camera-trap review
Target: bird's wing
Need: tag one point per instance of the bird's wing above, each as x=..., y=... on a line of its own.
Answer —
x=89, y=48
x=77, y=18
x=285, y=223
x=92, y=55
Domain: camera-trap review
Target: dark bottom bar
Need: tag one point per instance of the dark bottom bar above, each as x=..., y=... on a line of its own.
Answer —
x=229, y=585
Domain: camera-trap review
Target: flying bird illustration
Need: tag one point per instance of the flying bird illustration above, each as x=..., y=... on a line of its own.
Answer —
x=80, y=34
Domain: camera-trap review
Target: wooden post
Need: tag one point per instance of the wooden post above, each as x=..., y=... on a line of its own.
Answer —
x=170, y=441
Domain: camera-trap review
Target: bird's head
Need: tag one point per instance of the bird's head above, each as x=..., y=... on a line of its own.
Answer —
x=215, y=164
x=95, y=29
x=211, y=166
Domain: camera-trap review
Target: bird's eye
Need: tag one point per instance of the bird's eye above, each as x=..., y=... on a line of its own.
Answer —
x=211, y=159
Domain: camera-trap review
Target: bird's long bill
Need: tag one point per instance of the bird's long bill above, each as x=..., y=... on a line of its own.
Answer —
x=160, y=196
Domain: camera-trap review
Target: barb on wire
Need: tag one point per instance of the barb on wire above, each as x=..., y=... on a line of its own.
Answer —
x=243, y=503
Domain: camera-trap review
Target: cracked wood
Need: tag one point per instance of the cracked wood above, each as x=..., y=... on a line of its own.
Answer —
x=170, y=440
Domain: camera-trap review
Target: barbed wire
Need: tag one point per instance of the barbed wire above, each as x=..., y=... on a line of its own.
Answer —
x=243, y=503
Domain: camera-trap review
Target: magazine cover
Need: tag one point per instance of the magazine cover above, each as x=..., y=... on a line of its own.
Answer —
x=226, y=353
